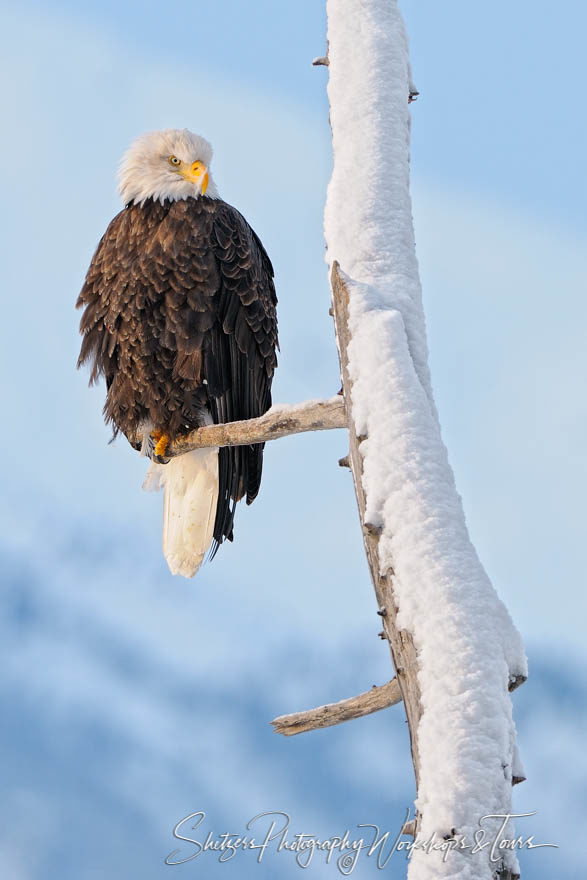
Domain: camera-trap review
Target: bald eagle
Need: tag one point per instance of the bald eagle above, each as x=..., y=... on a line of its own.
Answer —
x=180, y=319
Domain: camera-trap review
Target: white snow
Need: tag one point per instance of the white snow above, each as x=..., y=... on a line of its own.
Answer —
x=282, y=409
x=467, y=644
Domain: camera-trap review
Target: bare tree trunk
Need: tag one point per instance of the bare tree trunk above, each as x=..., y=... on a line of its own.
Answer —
x=401, y=643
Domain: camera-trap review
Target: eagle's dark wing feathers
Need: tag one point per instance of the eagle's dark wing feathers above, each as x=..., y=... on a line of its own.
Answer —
x=240, y=354
x=180, y=319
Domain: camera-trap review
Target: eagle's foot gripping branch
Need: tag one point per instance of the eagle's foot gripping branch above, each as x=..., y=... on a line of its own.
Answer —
x=157, y=446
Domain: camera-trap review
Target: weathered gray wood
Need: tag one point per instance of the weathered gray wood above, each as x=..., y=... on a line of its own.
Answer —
x=279, y=421
x=335, y=713
x=515, y=682
x=401, y=644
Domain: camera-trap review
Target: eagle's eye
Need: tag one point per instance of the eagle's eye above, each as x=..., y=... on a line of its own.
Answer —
x=173, y=160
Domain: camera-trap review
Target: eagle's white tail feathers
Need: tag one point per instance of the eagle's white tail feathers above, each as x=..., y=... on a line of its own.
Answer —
x=190, y=486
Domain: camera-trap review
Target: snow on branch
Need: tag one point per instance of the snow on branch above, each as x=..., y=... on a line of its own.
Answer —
x=444, y=615
x=335, y=713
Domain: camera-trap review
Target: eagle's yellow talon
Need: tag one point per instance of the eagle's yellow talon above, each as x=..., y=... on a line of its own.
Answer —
x=162, y=443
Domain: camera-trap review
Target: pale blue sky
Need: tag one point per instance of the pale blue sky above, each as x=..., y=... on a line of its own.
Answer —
x=499, y=139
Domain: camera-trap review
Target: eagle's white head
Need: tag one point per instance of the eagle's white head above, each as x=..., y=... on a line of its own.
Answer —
x=171, y=164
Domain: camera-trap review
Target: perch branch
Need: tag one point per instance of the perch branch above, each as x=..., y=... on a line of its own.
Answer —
x=335, y=713
x=279, y=421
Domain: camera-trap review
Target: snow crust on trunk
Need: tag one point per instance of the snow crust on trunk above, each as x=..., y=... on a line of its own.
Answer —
x=467, y=644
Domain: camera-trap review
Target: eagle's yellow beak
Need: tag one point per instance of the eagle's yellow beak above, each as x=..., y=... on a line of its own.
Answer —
x=195, y=173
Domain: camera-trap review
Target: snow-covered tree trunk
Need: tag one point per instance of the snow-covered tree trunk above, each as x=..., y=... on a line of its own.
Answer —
x=462, y=649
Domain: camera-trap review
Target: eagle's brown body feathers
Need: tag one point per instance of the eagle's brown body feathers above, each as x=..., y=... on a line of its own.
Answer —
x=179, y=317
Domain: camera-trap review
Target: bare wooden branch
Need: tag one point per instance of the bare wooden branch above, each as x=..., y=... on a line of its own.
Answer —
x=335, y=713
x=515, y=682
x=401, y=644
x=323, y=60
x=280, y=421
x=409, y=827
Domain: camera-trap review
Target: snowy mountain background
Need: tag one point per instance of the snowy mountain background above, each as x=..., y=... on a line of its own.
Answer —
x=128, y=706
x=129, y=698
